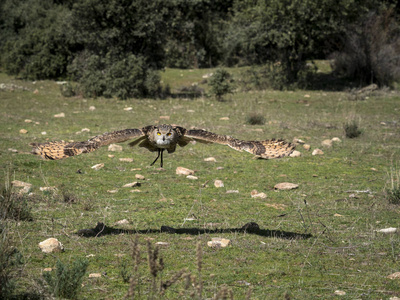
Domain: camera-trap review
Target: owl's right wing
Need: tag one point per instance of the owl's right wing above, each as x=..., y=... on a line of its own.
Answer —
x=266, y=149
x=61, y=149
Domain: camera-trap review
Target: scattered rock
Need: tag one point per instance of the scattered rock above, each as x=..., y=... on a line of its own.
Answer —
x=317, y=152
x=132, y=184
x=128, y=108
x=85, y=130
x=51, y=245
x=115, y=147
x=122, y=222
x=307, y=96
x=220, y=168
x=28, y=121
x=336, y=140
x=232, y=192
x=13, y=150
x=47, y=188
x=388, y=230
x=126, y=159
x=162, y=244
x=36, y=91
x=184, y=171
x=98, y=166
x=276, y=206
x=210, y=159
x=218, y=183
x=140, y=177
x=94, y=275
x=340, y=293
x=218, y=243
x=18, y=183
x=306, y=147
x=295, y=153
x=286, y=186
x=135, y=191
x=395, y=275
x=112, y=191
x=43, y=132
x=90, y=255
x=298, y=141
x=373, y=169
x=326, y=143
x=47, y=269
x=92, y=108
x=224, y=118
x=111, y=155
x=164, y=117
x=60, y=115
x=259, y=195
x=338, y=215
x=23, y=131
x=192, y=177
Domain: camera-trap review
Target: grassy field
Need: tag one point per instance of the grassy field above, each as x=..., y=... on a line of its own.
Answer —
x=317, y=241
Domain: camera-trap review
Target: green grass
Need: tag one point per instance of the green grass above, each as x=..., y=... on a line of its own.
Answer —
x=344, y=252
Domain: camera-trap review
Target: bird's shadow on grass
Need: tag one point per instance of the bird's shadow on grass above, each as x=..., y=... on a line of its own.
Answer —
x=101, y=229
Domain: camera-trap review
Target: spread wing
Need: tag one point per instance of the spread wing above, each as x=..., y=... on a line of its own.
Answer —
x=264, y=149
x=62, y=149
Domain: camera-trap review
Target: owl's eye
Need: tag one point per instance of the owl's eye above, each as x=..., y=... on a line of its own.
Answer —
x=169, y=133
x=158, y=133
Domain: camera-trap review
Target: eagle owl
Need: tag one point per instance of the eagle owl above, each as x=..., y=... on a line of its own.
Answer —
x=158, y=138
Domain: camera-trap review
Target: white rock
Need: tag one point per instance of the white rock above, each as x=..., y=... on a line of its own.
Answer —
x=306, y=146
x=388, y=230
x=210, y=159
x=132, y=184
x=98, y=166
x=43, y=132
x=224, y=118
x=162, y=244
x=340, y=293
x=140, y=177
x=184, y=171
x=28, y=121
x=122, y=222
x=298, y=141
x=164, y=117
x=317, y=152
x=92, y=108
x=259, y=195
x=13, y=150
x=94, y=275
x=126, y=159
x=47, y=188
x=395, y=275
x=115, y=147
x=85, y=130
x=218, y=243
x=128, y=108
x=192, y=177
x=112, y=191
x=286, y=186
x=295, y=153
x=51, y=245
x=60, y=115
x=326, y=143
x=336, y=140
x=23, y=131
x=232, y=191
x=18, y=183
x=218, y=183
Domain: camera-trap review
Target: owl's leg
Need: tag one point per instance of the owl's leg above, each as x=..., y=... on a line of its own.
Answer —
x=160, y=153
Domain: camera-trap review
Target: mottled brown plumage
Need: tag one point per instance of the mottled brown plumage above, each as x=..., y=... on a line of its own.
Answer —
x=160, y=138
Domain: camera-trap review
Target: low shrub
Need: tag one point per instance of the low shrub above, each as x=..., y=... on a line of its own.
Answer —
x=351, y=129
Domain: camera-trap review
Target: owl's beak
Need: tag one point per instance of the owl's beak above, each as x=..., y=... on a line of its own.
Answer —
x=163, y=138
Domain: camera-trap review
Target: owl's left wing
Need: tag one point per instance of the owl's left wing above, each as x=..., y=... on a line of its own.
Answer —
x=62, y=149
x=264, y=149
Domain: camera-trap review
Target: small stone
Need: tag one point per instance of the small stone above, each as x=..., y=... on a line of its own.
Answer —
x=337, y=215
x=36, y=91
x=218, y=183
x=184, y=171
x=85, y=130
x=232, y=192
x=395, y=275
x=259, y=195
x=253, y=192
x=112, y=191
x=23, y=131
x=307, y=96
x=218, y=243
x=90, y=255
x=306, y=147
x=122, y=222
x=286, y=186
x=326, y=143
x=140, y=177
x=47, y=269
x=94, y=275
x=162, y=244
x=295, y=153
x=220, y=168
x=132, y=184
x=224, y=118
x=111, y=155
x=60, y=115
x=210, y=159
x=298, y=141
x=98, y=166
x=47, y=188
x=51, y=245
x=13, y=150
x=192, y=177
x=43, y=132
x=115, y=147
x=340, y=293
x=388, y=230
x=164, y=117
x=126, y=159
x=317, y=152
x=18, y=183
x=135, y=191
x=128, y=108
x=336, y=140
x=92, y=108
x=28, y=121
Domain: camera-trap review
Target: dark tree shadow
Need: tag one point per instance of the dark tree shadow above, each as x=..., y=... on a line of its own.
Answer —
x=101, y=229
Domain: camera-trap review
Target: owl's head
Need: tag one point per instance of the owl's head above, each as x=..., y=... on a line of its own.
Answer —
x=164, y=135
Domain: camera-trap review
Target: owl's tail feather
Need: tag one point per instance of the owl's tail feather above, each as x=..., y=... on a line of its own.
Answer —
x=56, y=150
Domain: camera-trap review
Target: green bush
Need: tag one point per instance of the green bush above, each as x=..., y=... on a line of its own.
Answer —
x=65, y=281
x=255, y=119
x=220, y=84
x=351, y=129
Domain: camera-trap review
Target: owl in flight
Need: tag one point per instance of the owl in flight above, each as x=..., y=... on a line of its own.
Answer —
x=158, y=138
